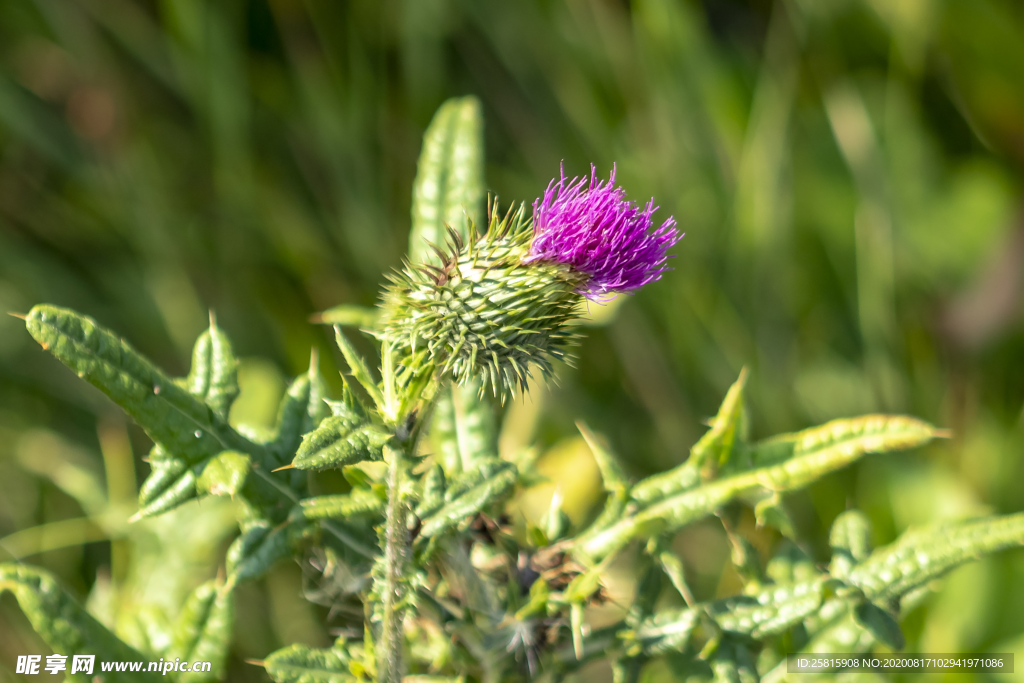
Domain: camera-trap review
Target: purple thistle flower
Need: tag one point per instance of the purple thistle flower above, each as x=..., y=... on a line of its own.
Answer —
x=592, y=228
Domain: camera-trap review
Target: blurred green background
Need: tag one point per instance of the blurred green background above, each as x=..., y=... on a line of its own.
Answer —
x=849, y=174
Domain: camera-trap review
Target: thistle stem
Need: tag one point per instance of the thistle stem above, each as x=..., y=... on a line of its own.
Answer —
x=396, y=541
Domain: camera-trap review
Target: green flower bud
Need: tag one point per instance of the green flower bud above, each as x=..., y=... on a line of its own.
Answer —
x=482, y=312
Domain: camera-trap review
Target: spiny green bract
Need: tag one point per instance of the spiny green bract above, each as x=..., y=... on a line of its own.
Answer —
x=483, y=314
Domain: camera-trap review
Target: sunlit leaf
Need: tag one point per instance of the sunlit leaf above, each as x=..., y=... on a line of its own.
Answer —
x=65, y=625
x=202, y=631
x=449, y=185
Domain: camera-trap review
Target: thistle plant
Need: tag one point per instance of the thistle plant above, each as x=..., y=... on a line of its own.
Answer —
x=446, y=586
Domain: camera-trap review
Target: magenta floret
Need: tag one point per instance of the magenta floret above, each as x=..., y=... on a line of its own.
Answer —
x=590, y=226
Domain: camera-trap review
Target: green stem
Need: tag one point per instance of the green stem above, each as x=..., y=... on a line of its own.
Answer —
x=396, y=537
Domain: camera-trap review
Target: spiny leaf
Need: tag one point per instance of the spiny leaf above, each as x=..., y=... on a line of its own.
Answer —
x=181, y=423
x=920, y=556
x=668, y=630
x=463, y=430
x=772, y=610
x=733, y=663
x=745, y=559
x=65, y=625
x=851, y=437
x=202, y=631
x=791, y=565
x=770, y=511
x=171, y=483
x=336, y=443
x=707, y=456
x=224, y=474
x=850, y=539
x=358, y=367
x=612, y=476
x=342, y=505
x=471, y=493
x=432, y=488
x=261, y=546
x=879, y=623
x=302, y=410
x=449, y=178
x=302, y=664
x=812, y=454
x=713, y=449
x=214, y=373
x=660, y=486
x=768, y=612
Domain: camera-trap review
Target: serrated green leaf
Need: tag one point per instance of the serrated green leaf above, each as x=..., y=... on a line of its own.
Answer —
x=302, y=664
x=920, y=556
x=660, y=486
x=469, y=494
x=708, y=455
x=65, y=625
x=336, y=443
x=879, y=623
x=463, y=428
x=715, y=447
x=555, y=522
x=758, y=616
x=834, y=629
x=224, y=474
x=850, y=539
x=202, y=631
x=733, y=663
x=214, y=373
x=791, y=565
x=666, y=631
x=302, y=410
x=432, y=489
x=449, y=177
x=745, y=559
x=341, y=505
x=771, y=610
x=260, y=546
x=770, y=511
x=612, y=477
x=171, y=483
x=836, y=444
x=181, y=423
x=812, y=454
x=359, y=369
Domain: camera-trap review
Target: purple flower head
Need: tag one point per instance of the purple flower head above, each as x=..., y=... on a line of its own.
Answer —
x=592, y=228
